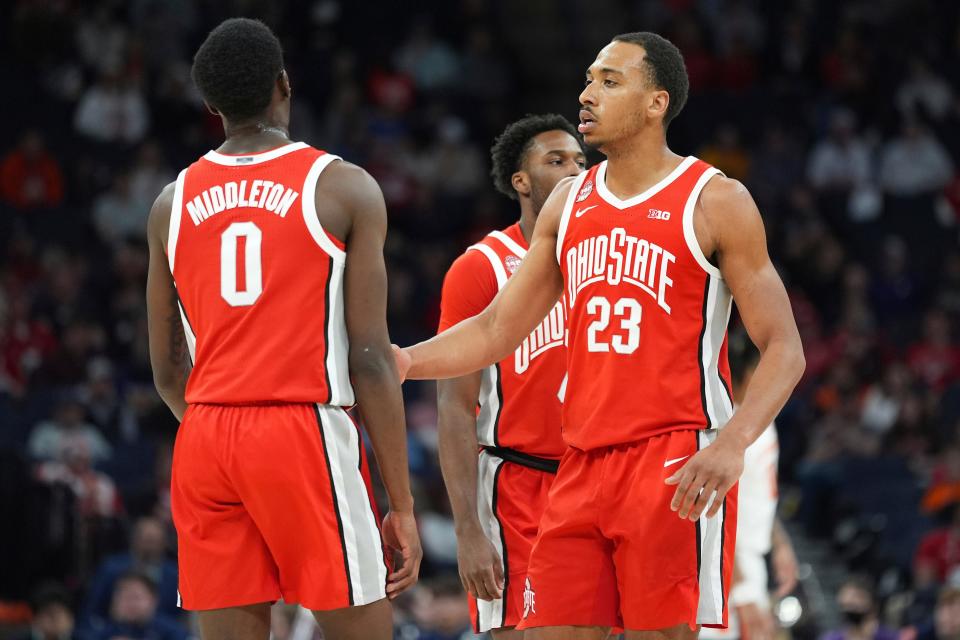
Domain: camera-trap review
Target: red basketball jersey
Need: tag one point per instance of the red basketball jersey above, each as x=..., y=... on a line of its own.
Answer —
x=518, y=404
x=647, y=312
x=259, y=280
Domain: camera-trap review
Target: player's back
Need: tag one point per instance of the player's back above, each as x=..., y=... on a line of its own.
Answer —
x=260, y=281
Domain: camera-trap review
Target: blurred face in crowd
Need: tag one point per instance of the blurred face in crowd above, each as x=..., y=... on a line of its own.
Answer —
x=619, y=100
x=856, y=605
x=149, y=541
x=551, y=157
x=54, y=621
x=133, y=602
x=947, y=616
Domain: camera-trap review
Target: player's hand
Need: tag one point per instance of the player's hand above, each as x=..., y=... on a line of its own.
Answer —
x=756, y=623
x=784, y=561
x=400, y=534
x=403, y=361
x=481, y=571
x=713, y=469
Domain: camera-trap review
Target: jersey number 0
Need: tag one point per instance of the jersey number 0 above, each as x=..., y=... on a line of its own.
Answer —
x=252, y=262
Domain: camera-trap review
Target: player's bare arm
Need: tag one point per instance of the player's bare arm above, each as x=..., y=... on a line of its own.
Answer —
x=728, y=226
x=351, y=202
x=169, y=357
x=520, y=306
x=477, y=559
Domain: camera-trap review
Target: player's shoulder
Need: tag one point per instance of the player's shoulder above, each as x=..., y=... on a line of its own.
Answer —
x=352, y=188
x=727, y=203
x=471, y=262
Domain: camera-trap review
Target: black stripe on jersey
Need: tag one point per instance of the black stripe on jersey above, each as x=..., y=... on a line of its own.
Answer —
x=326, y=330
x=696, y=434
x=176, y=292
x=496, y=418
x=336, y=504
x=503, y=545
x=703, y=374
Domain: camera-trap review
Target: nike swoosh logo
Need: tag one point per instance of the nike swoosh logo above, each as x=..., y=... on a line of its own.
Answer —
x=580, y=212
x=674, y=461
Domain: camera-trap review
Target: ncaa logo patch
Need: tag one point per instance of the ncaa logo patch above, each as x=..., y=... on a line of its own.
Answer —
x=585, y=191
x=513, y=263
x=529, y=599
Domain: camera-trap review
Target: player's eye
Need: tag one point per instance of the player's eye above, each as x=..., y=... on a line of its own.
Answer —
x=609, y=83
x=587, y=82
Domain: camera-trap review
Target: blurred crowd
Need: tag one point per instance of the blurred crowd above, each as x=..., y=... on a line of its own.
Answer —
x=843, y=119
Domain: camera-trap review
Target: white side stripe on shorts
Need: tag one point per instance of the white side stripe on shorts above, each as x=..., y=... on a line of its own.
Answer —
x=490, y=613
x=362, y=543
x=710, y=607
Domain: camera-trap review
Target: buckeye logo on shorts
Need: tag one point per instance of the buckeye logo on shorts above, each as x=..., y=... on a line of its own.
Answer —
x=529, y=596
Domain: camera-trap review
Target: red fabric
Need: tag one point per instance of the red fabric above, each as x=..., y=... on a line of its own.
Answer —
x=275, y=349
x=940, y=550
x=647, y=346
x=27, y=183
x=610, y=552
x=524, y=411
x=255, y=511
x=521, y=496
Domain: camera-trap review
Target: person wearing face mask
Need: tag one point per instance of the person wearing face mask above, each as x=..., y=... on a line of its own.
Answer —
x=858, y=609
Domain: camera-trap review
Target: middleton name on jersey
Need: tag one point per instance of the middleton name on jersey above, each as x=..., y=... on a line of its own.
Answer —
x=620, y=257
x=263, y=194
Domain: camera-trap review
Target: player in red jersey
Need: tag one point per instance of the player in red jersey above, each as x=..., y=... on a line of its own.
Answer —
x=499, y=496
x=648, y=248
x=267, y=277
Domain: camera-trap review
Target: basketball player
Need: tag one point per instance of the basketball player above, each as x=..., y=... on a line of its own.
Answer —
x=266, y=268
x=648, y=249
x=758, y=531
x=498, y=496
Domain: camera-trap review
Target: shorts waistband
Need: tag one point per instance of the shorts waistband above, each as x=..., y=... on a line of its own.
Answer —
x=524, y=459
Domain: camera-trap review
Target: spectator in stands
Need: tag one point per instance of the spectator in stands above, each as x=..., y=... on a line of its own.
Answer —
x=914, y=163
x=727, y=153
x=148, y=556
x=52, y=615
x=97, y=495
x=67, y=428
x=938, y=553
x=858, y=606
x=30, y=176
x=841, y=161
x=935, y=358
x=133, y=614
x=945, y=624
x=113, y=110
x=119, y=214
x=149, y=176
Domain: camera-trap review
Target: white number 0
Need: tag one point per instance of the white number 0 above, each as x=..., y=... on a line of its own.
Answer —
x=628, y=310
x=251, y=260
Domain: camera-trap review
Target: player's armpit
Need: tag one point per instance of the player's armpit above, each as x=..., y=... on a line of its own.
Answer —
x=169, y=357
x=516, y=310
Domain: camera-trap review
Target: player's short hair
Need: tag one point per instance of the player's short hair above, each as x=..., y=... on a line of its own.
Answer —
x=236, y=68
x=665, y=65
x=510, y=148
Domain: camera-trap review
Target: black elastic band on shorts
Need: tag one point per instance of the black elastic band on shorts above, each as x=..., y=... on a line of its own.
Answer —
x=524, y=459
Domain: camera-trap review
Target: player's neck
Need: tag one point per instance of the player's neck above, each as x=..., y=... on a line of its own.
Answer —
x=636, y=165
x=528, y=220
x=253, y=137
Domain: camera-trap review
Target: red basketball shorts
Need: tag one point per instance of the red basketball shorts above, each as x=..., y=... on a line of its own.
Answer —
x=274, y=502
x=511, y=500
x=611, y=553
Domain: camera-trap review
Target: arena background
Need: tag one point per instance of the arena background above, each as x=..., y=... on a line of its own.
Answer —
x=842, y=117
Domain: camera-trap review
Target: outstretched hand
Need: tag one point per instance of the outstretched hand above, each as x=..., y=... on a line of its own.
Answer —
x=713, y=470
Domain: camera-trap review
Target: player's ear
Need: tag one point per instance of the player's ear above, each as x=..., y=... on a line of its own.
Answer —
x=659, y=101
x=521, y=183
x=211, y=108
x=283, y=82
